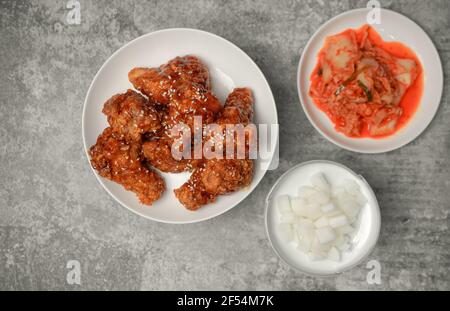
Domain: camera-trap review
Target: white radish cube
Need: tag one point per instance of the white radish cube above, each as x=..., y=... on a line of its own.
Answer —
x=334, y=213
x=305, y=227
x=341, y=239
x=345, y=230
x=351, y=186
x=286, y=233
x=321, y=222
x=304, y=244
x=284, y=204
x=306, y=191
x=319, y=197
x=318, y=248
x=351, y=208
x=299, y=207
x=305, y=234
x=289, y=218
x=338, y=221
x=361, y=199
x=295, y=239
x=339, y=192
x=313, y=210
x=328, y=208
x=344, y=247
x=320, y=182
x=325, y=235
x=334, y=254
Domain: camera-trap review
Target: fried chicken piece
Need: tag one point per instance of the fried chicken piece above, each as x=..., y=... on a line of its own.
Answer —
x=221, y=176
x=238, y=108
x=216, y=177
x=120, y=162
x=182, y=87
x=157, y=83
x=130, y=115
x=187, y=102
x=158, y=153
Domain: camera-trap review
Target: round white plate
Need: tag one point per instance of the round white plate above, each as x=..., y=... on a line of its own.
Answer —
x=393, y=27
x=363, y=240
x=229, y=67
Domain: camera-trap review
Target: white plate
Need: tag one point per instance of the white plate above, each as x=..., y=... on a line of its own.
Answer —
x=393, y=27
x=364, y=238
x=229, y=67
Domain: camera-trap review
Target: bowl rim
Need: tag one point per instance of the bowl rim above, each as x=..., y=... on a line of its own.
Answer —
x=142, y=37
x=344, y=146
x=376, y=208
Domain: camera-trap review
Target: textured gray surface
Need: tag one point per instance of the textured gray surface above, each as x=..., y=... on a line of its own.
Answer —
x=53, y=210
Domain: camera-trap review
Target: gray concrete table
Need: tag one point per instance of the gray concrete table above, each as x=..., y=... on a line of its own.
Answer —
x=52, y=209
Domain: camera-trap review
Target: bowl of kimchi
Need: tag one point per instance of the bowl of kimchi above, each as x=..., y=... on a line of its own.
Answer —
x=370, y=88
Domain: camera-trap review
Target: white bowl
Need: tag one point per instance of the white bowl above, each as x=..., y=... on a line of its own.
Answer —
x=229, y=67
x=393, y=27
x=363, y=240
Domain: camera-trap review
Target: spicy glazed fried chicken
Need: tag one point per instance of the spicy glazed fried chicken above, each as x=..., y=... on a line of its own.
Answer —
x=187, y=102
x=214, y=178
x=130, y=115
x=182, y=87
x=158, y=83
x=144, y=130
x=120, y=162
x=158, y=154
x=221, y=176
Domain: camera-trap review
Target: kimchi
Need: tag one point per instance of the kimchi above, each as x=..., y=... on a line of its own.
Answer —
x=361, y=83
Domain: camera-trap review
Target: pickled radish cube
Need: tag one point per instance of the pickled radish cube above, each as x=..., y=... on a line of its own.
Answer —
x=313, y=210
x=304, y=244
x=341, y=239
x=352, y=187
x=284, y=204
x=320, y=182
x=306, y=191
x=328, y=208
x=320, y=197
x=286, y=233
x=318, y=248
x=321, y=222
x=351, y=208
x=338, y=221
x=305, y=227
x=342, y=196
x=339, y=192
x=345, y=230
x=325, y=235
x=289, y=218
x=344, y=247
x=295, y=239
x=334, y=254
x=361, y=199
x=299, y=207
x=334, y=213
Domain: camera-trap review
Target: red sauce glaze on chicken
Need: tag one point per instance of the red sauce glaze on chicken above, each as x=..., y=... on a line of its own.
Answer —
x=368, y=87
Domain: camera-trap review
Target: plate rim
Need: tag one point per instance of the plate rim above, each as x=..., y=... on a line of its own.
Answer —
x=362, y=150
x=376, y=208
x=126, y=45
